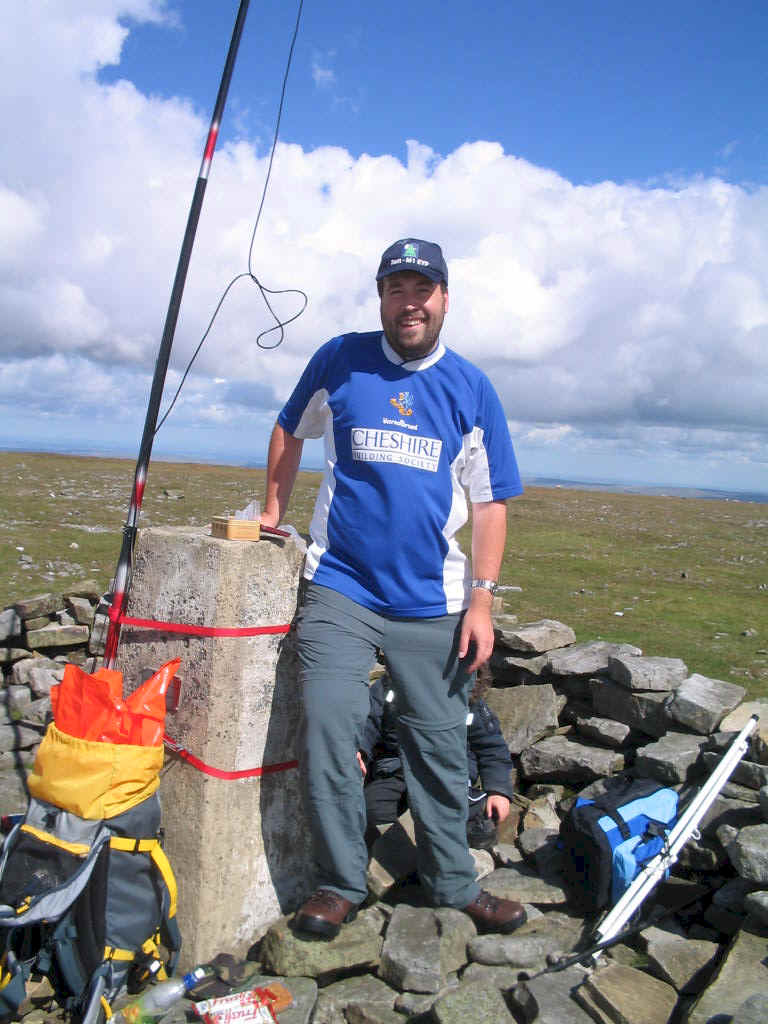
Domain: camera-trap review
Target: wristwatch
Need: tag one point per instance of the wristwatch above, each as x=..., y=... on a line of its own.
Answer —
x=489, y=585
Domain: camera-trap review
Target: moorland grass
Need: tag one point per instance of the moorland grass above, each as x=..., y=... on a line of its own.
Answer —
x=677, y=577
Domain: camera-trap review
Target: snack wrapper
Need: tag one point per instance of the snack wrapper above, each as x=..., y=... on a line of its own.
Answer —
x=259, y=1005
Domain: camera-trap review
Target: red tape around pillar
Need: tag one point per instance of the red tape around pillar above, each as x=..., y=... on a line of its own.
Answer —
x=218, y=773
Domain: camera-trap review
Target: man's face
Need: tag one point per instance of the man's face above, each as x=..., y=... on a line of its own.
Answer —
x=412, y=313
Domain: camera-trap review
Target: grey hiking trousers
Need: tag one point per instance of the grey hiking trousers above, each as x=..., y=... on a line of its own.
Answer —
x=337, y=642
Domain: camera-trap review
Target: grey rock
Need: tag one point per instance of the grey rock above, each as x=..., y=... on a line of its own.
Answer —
x=525, y=713
x=726, y=811
x=10, y=655
x=550, y=1000
x=358, y=944
x=14, y=698
x=541, y=813
x=586, y=659
x=65, y=619
x=603, y=730
x=628, y=995
x=21, y=673
x=521, y=884
x=643, y=673
x=10, y=624
x=764, y=801
x=34, y=607
x=671, y=759
x=756, y=904
x=746, y=773
x=81, y=610
x=55, y=635
x=516, y=669
x=732, y=894
x=743, y=793
x=639, y=710
x=563, y=760
x=530, y=945
x=473, y=1001
x=701, y=703
x=18, y=737
x=13, y=785
x=737, y=719
x=702, y=855
x=41, y=679
x=90, y=590
x=537, y=637
x=752, y=1011
x=393, y=856
x=749, y=853
x=743, y=973
x=334, y=999
x=365, y=1013
x=502, y=975
x=531, y=840
x=685, y=963
x=422, y=946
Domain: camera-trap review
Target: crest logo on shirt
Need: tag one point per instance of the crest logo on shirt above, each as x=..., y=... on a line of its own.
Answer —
x=403, y=403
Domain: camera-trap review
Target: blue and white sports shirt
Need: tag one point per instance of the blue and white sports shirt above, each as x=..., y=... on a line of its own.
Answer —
x=402, y=443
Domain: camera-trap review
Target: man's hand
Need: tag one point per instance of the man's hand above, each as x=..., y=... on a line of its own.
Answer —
x=496, y=806
x=361, y=762
x=477, y=630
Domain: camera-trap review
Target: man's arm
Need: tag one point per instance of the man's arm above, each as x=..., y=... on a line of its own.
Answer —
x=489, y=535
x=282, y=466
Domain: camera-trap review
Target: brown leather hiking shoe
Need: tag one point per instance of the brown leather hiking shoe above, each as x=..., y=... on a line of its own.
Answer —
x=492, y=914
x=324, y=913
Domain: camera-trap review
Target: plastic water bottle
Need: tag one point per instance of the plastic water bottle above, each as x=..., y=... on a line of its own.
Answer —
x=158, y=999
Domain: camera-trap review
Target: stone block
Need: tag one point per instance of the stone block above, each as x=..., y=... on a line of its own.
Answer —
x=536, y=637
x=525, y=713
x=737, y=719
x=628, y=995
x=239, y=848
x=34, y=607
x=55, y=636
x=10, y=624
x=643, y=673
x=746, y=773
x=670, y=760
x=701, y=703
x=586, y=659
x=641, y=710
x=749, y=853
x=562, y=760
x=743, y=973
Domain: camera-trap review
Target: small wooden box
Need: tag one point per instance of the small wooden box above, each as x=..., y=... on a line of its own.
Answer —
x=229, y=528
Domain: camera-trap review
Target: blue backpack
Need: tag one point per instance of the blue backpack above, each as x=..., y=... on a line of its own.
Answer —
x=607, y=841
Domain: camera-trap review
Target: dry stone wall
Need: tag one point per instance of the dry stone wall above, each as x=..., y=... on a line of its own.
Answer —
x=576, y=717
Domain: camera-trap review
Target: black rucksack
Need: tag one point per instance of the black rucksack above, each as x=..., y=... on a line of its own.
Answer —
x=608, y=840
x=86, y=901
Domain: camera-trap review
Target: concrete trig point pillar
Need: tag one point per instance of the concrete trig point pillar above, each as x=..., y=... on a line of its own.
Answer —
x=239, y=848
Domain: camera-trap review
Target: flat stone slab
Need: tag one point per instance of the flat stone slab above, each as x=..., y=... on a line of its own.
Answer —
x=530, y=944
x=517, y=882
x=684, y=963
x=525, y=713
x=642, y=710
x=473, y=1001
x=586, y=659
x=536, y=637
x=670, y=760
x=34, y=607
x=603, y=730
x=627, y=995
x=643, y=673
x=55, y=635
x=748, y=853
x=701, y=703
x=358, y=944
x=564, y=760
x=334, y=1000
x=550, y=1000
x=422, y=946
x=743, y=973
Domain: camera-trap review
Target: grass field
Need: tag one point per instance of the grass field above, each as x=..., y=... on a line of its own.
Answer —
x=678, y=577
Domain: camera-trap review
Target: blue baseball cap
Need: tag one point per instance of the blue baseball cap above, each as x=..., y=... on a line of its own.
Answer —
x=414, y=254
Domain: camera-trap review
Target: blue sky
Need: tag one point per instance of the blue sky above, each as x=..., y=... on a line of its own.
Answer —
x=596, y=172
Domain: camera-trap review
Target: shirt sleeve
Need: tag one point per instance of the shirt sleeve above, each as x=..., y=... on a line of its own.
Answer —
x=306, y=412
x=490, y=467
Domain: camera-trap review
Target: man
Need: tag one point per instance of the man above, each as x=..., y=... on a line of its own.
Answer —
x=408, y=425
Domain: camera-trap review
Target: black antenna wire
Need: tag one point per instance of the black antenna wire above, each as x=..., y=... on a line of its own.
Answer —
x=279, y=325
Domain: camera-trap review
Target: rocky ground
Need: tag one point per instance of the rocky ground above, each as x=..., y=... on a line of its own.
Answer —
x=576, y=717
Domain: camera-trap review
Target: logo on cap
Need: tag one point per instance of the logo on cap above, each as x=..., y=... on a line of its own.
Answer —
x=410, y=251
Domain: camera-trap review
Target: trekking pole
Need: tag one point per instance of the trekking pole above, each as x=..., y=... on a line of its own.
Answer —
x=122, y=580
x=685, y=828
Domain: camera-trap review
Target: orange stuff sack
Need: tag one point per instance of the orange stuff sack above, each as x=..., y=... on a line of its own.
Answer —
x=91, y=707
